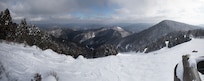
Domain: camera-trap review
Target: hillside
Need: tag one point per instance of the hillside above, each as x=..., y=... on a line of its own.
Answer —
x=140, y=41
x=31, y=35
x=23, y=63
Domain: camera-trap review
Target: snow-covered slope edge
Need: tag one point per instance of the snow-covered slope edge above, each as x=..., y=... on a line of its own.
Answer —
x=22, y=63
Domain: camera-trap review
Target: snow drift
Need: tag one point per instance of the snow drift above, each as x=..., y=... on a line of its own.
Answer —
x=22, y=63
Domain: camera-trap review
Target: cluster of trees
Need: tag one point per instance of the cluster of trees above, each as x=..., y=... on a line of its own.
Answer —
x=21, y=33
x=173, y=39
x=32, y=35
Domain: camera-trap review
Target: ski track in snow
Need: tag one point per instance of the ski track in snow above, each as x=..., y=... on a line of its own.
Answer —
x=21, y=63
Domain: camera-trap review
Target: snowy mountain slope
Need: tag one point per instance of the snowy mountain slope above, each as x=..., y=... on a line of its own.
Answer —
x=138, y=41
x=22, y=63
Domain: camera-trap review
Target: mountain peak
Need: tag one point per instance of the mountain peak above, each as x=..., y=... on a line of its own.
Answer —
x=139, y=41
x=168, y=21
x=117, y=28
x=178, y=26
x=171, y=22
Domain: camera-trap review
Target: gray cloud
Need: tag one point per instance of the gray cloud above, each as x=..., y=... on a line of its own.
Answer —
x=58, y=6
x=3, y=4
x=105, y=11
x=56, y=10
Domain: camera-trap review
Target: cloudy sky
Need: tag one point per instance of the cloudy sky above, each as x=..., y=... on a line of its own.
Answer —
x=106, y=11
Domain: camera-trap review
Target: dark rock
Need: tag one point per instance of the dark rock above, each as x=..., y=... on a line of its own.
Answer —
x=194, y=51
x=200, y=66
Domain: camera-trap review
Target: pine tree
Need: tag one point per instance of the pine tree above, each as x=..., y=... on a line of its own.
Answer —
x=7, y=17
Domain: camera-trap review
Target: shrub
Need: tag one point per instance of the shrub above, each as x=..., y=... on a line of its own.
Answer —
x=37, y=77
x=54, y=74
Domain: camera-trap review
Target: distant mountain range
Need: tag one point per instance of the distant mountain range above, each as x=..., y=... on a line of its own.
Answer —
x=131, y=27
x=91, y=37
x=147, y=40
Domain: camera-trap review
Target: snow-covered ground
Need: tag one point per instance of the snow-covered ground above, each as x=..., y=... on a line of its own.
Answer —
x=22, y=63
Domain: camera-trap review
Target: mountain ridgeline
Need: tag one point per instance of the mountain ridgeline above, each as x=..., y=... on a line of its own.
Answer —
x=150, y=39
x=93, y=37
x=98, y=42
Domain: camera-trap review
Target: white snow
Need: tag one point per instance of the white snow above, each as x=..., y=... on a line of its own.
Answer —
x=22, y=63
x=179, y=71
x=117, y=28
x=86, y=36
x=49, y=78
x=167, y=43
x=121, y=31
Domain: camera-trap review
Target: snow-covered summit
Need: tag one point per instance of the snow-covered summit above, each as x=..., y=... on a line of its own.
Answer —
x=123, y=32
x=118, y=28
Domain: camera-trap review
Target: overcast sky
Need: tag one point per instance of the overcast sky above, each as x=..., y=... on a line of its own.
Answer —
x=106, y=11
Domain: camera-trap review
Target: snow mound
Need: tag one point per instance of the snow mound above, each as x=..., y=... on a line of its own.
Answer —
x=21, y=63
x=50, y=78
